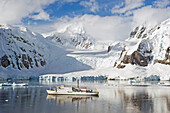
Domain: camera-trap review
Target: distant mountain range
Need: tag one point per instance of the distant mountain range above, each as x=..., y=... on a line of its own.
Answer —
x=72, y=37
x=25, y=53
x=147, y=46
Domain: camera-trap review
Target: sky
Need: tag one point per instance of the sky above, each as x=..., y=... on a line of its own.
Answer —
x=102, y=19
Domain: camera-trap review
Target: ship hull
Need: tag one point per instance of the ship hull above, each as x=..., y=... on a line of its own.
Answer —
x=53, y=92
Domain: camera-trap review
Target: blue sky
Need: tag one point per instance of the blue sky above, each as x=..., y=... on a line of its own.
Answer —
x=72, y=8
x=106, y=16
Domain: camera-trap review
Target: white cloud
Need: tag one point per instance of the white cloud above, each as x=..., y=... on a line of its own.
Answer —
x=41, y=16
x=114, y=27
x=161, y=3
x=128, y=6
x=92, y=5
x=118, y=6
x=150, y=16
x=13, y=11
x=101, y=28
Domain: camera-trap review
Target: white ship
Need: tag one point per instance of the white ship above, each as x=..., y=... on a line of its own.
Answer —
x=63, y=90
x=13, y=84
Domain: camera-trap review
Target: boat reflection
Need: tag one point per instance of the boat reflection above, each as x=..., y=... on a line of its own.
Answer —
x=70, y=98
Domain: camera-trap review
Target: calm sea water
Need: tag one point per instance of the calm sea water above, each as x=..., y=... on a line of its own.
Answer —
x=113, y=98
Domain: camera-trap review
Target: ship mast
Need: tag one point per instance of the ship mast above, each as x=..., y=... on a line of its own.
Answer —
x=77, y=83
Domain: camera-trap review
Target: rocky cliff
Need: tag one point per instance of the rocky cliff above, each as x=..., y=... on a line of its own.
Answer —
x=20, y=49
x=72, y=37
x=146, y=46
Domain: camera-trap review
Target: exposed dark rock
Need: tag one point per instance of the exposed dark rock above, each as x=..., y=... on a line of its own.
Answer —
x=30, y=61
x=17, y=62
x=76, y=40
x=115, y=64
x=109, y=49
x=139, y=35
x=167, y=54
x=126, y=59
x=36, y=62
x=162, y=62
x=43, y=62
x=122, y=52
x=166, y=61
x=140, y=57
x=133, y=33
x=137, y=58
x=120, y=66
x=138, y=32
x=40, y=55
x=25, y=61
x=5, y=61
x=22, y=49
x=21, y=65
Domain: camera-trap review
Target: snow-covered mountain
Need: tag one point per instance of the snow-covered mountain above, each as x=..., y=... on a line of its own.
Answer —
x=72, y=36
x=147, y=46
x=21, y=53
x=25, y=53
x=146, y=52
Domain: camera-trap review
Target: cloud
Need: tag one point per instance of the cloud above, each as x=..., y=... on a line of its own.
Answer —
x=140, y=13
x=13, y=12
x=112, y=27
x=101, y=28
x=150, y=16
x=161, y=3
x=127, y=6
x=92, y=5
x=41, y=16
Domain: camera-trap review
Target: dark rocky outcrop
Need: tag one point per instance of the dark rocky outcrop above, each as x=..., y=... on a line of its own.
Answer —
x=72, y=40
x=26, y=55
x=167, y=54
x=139, y=32
x=109, y=49
x=142, y=56
x=43, y=62
x=166, y=61
x=120, y=66
x=4, y=61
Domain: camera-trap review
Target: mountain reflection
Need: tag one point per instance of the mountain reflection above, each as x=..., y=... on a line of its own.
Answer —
x=112, y=99
x=144, y=100
x=69, y=98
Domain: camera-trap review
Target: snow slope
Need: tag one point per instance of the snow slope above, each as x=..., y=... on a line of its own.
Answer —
x=25, y=53
x=72, y=36
x=146, y=52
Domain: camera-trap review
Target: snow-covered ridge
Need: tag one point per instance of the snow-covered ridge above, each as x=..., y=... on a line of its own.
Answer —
x=145, y=53
x=146, y=46
x=25, y=53
x=146, y=50
x=18, y=52
x=72, y=36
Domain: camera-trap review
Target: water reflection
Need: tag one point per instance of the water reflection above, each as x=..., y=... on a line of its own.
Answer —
x=143, y=99
x=70, y=98
x=112, y=99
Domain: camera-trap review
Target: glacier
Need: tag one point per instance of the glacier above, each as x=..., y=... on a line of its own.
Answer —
x=72, y=52
x=25, y=53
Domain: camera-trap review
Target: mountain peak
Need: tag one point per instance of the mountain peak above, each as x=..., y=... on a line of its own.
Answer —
x=75, y=28
x=72, y=35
